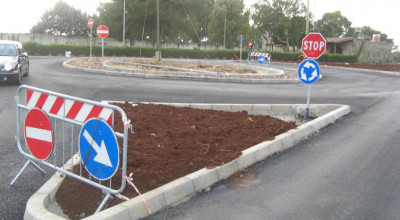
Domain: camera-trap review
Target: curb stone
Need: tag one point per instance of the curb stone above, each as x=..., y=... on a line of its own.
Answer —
x=177, y=76
x=186, y=187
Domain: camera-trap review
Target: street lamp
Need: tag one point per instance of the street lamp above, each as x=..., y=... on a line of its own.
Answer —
x=123, y=26
x=308, y=17
x=158, y=52
x=225, y=28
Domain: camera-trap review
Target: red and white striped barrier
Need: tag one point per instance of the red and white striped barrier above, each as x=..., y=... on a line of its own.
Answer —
x=66, y=108
x=257, y=54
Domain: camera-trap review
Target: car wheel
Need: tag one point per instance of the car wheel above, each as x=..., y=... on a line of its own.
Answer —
x=27, y=70
x=18, y=81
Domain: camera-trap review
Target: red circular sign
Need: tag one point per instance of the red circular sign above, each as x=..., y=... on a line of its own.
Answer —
x=313, y=45
x=102, y=31
x=38, y=134
x=90, y=23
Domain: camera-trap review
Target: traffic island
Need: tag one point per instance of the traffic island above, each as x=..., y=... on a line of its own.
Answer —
x=186, y=69
x=183, y=188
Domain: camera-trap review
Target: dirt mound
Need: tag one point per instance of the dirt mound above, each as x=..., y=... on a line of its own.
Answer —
x=171, y=142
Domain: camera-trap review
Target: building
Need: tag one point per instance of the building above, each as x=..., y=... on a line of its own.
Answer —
x=367, y=51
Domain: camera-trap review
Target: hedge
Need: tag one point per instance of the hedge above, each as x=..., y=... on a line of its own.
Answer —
x=34, y=48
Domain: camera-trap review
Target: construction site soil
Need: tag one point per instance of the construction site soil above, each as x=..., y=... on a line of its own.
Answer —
x=169, y=143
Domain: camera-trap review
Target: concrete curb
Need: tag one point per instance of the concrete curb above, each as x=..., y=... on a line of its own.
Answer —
x=186, y=187
x=351, y=68
x=178, y=76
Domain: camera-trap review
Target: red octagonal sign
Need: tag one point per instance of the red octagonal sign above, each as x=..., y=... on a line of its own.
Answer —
x=38, y=134
x=102, y=31
x=313, y=45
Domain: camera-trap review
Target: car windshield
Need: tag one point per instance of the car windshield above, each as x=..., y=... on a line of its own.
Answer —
x=7, y=50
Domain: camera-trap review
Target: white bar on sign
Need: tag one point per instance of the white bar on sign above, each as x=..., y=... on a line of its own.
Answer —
x=102, y=32
x=39, y=134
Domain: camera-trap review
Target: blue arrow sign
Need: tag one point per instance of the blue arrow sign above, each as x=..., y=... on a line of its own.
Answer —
x=261, y=59
x=309, y=71
x=98, y=148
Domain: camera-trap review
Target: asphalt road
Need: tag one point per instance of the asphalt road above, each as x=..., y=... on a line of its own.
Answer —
x=349, y=170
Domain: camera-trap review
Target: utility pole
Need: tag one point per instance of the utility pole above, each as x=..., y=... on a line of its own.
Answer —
x=158, y=52
x=123, y=26
x=225, y=28
x=308, y=17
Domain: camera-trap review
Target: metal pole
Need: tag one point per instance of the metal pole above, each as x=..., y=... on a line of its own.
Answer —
x=241, y=44
x=158, y=25
x=308, y=102
x=158, y=52
x=91, y=38
x=308, y=17
x=123, y=26
x=102, y=47
x=225, y=28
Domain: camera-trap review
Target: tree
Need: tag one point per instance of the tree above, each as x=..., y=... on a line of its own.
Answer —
x=237, y=22
x=333, y=24
x=281, y=19
x=368, y=31
x=63, y=19
x=180, y=20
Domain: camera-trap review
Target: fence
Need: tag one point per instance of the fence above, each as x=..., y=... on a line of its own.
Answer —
x=267, y=56
x=53, y=127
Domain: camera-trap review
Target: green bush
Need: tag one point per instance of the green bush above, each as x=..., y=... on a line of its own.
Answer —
x=34, y=48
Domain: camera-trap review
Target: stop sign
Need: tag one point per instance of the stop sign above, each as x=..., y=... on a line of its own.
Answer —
x=313, y=45
x=102, y=31
x=90, y=23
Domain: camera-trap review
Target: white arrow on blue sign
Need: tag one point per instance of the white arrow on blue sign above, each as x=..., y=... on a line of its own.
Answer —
x=98, y=148
x=309, y=71
x=261, y=59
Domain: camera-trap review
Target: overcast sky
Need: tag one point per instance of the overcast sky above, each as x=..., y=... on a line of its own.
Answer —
x=18, y=16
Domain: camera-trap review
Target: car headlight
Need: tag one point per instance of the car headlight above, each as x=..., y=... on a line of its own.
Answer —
x=9, y=66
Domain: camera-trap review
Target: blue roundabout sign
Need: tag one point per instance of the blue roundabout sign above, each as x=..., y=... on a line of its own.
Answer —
x=309, y=71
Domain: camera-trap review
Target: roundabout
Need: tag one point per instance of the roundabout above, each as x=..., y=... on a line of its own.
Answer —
x=186, y=69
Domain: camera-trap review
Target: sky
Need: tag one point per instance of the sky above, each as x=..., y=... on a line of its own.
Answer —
x=19, y=16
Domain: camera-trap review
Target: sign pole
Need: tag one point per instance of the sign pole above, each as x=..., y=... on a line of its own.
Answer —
x=308, y=102
x=91, y=38
x=102, y=47
x=90, y=25
x=241, y=40
x=102, y=32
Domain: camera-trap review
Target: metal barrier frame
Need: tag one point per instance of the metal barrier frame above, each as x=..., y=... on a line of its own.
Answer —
x=268, y=58
x=34, y=161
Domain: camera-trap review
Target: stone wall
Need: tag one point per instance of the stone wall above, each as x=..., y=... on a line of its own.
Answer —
x=52, y=39
x=372, y=52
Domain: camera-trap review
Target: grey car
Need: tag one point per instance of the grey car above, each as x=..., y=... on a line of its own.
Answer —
x=14, y=61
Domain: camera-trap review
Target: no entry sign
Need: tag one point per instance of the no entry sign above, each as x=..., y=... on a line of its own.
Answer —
x=102, y=31
x=90, y=23
x=313, y=45
x=38, y=134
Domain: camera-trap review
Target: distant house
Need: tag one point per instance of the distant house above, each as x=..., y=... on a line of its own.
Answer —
x=340, y=45
x=367, y=51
